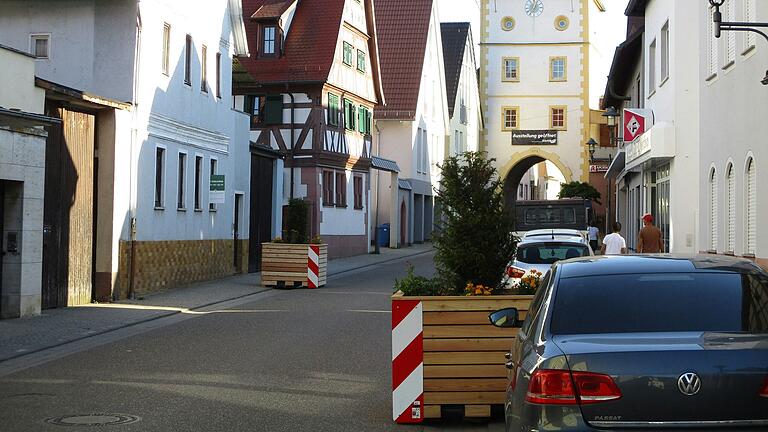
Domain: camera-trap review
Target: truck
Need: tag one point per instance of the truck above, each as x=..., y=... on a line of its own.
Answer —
x=573, y=213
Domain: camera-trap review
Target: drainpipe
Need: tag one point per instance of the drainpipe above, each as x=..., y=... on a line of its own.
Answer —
x=376, y=248
x=132, y=174
x=287, y=88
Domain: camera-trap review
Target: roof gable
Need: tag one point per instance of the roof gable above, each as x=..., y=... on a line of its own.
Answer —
x=403, y=28
x=455, y=37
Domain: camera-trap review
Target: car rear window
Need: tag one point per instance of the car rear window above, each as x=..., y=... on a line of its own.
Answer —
x=680, y=302
x=549, y=253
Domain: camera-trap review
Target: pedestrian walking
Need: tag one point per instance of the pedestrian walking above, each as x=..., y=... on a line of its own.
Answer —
x=614, y=243
x=593, y=232
x=650, y=239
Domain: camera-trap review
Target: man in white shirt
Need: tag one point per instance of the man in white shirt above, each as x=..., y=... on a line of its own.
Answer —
x=614, y=243
x=593, y=232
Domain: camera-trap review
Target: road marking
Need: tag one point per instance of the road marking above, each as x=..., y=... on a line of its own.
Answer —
x=370, y=311
x=354, y=292
x=175, y=309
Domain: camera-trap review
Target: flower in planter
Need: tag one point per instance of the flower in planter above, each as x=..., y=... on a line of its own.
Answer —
x=477, y=290
x=529, y=282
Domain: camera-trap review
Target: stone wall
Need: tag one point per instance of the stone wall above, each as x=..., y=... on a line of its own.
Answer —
x=162, y=265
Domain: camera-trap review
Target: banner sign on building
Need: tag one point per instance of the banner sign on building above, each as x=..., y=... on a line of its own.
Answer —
x=534, y=137
x=216, y=190
x=635, y=122
x=598, y=168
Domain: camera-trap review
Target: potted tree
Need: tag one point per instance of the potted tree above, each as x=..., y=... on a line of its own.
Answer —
x=462, y=353
x=293, y=260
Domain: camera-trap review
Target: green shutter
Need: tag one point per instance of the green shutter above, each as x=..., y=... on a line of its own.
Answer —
x=360, y=61
x=333, y=109
x=273, y=110
x=368, y=122
x=347, y=54
x=361, y=119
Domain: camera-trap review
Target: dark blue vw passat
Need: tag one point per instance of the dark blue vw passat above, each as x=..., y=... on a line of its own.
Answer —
x=656, y=342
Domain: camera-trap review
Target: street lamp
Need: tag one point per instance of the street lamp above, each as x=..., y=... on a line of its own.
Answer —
x=591, y=144
x=611, y=115
x=717, y=18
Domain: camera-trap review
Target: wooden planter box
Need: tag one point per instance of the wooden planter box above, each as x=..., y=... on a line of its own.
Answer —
x=285, y=265
x=463, y=354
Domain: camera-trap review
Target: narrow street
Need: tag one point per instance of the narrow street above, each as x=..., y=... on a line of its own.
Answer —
x=291, y=360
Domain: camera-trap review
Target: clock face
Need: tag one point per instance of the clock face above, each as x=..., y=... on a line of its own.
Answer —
x=534, y=8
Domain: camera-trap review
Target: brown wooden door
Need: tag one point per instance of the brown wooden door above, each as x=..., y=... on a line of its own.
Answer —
x=68, y=210
x=262, y=170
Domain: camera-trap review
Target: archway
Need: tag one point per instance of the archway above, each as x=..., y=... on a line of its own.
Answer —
x=520, y=164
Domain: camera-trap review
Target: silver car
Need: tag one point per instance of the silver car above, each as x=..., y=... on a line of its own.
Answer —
x=539, y=252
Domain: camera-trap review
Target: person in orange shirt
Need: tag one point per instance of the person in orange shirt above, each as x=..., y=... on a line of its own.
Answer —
x=650, y=239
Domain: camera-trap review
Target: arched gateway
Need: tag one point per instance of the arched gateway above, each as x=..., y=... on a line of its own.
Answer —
x=519, y=163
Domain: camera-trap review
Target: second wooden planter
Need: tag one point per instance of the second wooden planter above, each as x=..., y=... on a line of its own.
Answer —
x=289, y=265
x=463, y=354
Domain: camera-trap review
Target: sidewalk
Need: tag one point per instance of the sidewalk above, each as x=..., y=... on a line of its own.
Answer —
x=54, y=327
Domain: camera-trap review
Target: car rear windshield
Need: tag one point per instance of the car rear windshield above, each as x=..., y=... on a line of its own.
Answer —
x=549, y=253
x=680, y=302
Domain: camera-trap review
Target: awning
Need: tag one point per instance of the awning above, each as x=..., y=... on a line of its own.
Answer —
x=404, y=184
x=382, y=164
x=617, y=165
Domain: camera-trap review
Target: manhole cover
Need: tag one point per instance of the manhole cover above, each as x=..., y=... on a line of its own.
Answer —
x=98, y=419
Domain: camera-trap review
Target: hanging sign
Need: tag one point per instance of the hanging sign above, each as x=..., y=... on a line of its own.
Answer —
x=534, y=137
x=217, y=189
x=635, y=122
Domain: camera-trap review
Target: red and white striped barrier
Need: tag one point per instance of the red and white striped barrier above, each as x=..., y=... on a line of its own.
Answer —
x=407, y=362
x=313, y=266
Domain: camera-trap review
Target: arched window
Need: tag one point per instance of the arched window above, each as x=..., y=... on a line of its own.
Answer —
x=713, y=210
x=730, y=203
x=750, y=210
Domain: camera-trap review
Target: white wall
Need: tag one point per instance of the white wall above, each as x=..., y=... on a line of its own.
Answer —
x=468, y=94
x=18, y=76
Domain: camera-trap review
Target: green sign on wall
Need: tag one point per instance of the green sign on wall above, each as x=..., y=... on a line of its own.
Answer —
x=216, y=190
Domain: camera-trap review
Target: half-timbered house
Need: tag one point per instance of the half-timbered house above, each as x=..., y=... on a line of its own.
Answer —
x=310, y=85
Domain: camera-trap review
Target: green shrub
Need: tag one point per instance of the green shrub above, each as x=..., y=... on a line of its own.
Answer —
x=474, y=239
x=296, y=222
x=415, y=285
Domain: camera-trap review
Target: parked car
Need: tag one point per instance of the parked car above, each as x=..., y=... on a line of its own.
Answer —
x=633, y=341
x=539, y=252
x=563, y=232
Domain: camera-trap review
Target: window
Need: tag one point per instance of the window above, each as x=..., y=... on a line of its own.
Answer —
x=730, y=37
x=730, y=202
x=341, y=189
x=328, y=179
x=358, y=192
x=360, y=61
x=218, y=75
x=665, y=52
x=712, y=45
x=188, y=61
x=557, y=117
x=511, y=69
x=713, y=210
x=652, y=67
x=510, y=118
x=749, y=15
x=204, y=69
x=166, y=47
x=520, y=190
x=333, y=109
x=159, y=177
x=269, y=40
x=214, y=166
x=40, y=45
x=362, y=120
x=180, y=203
x=347, y=54
x=198, y=183
x=349, y=115
x=273, y=110
x=557, y=69
x=254, y=105
x=750, y=209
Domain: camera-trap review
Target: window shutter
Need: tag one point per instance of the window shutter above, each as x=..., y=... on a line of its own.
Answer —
x=361, y=119
x=751, y=209
x=731, y=209
x=713, y=211
x=273, y=110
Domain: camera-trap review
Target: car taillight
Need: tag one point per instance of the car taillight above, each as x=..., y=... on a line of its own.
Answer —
x=764, y=390
x=515, y=272
x=558, y=387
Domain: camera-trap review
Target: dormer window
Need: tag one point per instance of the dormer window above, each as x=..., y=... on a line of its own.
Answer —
x=268, y=47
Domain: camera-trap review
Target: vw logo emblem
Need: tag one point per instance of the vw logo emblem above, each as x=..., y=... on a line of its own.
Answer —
x=689, y=383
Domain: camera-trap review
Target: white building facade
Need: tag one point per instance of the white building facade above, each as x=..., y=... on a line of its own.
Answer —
x=170, y=62
x=535, y=86
x=733, y=129
x=413, y=127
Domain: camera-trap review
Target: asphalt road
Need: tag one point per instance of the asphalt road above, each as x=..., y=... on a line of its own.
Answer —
x=294, y=360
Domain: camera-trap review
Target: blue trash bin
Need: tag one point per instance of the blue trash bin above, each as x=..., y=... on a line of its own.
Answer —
x=382, y=235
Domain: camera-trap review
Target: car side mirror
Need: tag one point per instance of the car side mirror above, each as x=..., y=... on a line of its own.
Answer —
x=505, y=318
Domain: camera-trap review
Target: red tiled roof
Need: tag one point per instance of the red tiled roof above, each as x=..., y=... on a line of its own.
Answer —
x=272, y=9
x=309, y=46
x=402, y=27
